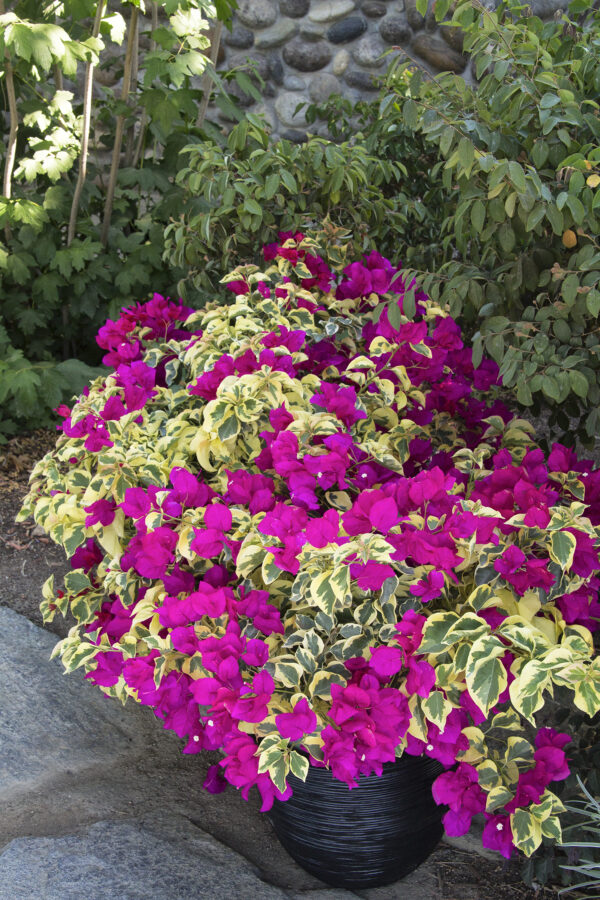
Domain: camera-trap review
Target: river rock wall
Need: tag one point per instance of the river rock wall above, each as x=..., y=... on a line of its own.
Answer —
x=306, y=50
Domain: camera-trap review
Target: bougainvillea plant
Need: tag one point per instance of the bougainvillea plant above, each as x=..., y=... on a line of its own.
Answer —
x=305, y=531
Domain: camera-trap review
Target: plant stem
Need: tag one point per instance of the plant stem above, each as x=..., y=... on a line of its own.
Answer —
x=114, y=169
x=206, y=79
x=11, y=147
x=144, y=120
x=85, y=131
x=129, y=147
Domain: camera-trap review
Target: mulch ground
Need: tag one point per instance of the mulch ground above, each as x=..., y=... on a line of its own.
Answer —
x=27, y=558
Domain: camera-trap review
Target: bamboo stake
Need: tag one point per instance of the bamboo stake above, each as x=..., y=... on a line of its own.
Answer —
x=85, y=132
x=114, y=169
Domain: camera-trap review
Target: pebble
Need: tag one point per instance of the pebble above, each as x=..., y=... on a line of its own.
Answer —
x=276, y=69
x=256, y=13
x=437, y=53
x=305, y=56
x=415, y=19
x=330, y=10
x=284, y=29
x=340, y=62
x=285, y=106
x=296, y=137
x=395, y=30
x=369, y=51
x=294, y=8
x=294, y=83
x=347, y=29
x=364, y=81
x=239, y=37
x=323, y=86
x=455, y=37
x=312, y=32
x=374, y=9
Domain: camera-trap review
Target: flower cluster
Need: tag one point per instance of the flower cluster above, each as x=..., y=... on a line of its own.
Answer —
x=305, y=532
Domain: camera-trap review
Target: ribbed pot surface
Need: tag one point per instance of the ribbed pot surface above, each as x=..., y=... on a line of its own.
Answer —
x=369, y=836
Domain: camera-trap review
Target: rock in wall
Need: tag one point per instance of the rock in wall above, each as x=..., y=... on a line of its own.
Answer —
x=306, y=50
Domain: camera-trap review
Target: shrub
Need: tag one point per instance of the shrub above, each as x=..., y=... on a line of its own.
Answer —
x=237, y=201
x=87, y=178
x=519, y=159
x=301, y=532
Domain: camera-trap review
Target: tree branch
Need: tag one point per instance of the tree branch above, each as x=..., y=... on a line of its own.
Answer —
x=85, y=130
x=114, y=169
x=11, y=147
x=206, y=79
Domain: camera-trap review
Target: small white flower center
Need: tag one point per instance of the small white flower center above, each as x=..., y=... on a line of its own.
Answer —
x=210, y=722
x=499, y=827
x=430, y=747
x=196, y=738
x=319, y=474
x=363, y=757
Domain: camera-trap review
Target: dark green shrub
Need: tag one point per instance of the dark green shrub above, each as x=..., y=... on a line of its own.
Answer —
x=88, y=178
x=519, y=154
x=238, y=200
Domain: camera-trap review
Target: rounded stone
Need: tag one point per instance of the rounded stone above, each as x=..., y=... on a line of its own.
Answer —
x=296, y=137
x=239, y=37
x=454, y=37
x=285, y=107
x=323, y=86
x=305, y=56
x=395, y=30
x=369, y=51
x=256, y=13
x=415, y=19
x=438, y=54
x=276, y=69
x=363, y=81
x=374, y=9
x=250, y=62
x=347, y=29
x=340, y=62
x=295, y=9
x=280, y=32
x=330, y=10
x=294, y=83
x=312, y=32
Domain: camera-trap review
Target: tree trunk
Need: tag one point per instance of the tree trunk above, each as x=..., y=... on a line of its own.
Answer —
x=206, y=79
x=114, y=169
x=85, y=131
x=139, y=147
x=130, y=143
x=11, y=146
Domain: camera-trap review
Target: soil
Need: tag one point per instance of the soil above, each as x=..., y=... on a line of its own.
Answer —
x=27, y=558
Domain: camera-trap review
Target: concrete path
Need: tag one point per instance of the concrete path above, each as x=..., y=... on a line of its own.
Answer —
x=97, y=801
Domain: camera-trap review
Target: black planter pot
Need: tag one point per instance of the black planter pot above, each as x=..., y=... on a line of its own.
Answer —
x=369, y=836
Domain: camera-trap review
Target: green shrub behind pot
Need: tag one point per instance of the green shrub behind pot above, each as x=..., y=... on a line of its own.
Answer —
x=520, y=163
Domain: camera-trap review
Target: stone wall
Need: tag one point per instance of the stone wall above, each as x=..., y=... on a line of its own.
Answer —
x=306, y=50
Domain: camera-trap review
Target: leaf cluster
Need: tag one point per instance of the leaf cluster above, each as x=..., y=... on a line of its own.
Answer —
x=519, y=165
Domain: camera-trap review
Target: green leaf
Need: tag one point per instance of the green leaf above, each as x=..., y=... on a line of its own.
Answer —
x=331, y=588
x=299, y=765
x=485, y=675
x=592, y=301
x=579, y=383
x=526, y=831
x=436, y=708
x=478, y=215
x=562, y=548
